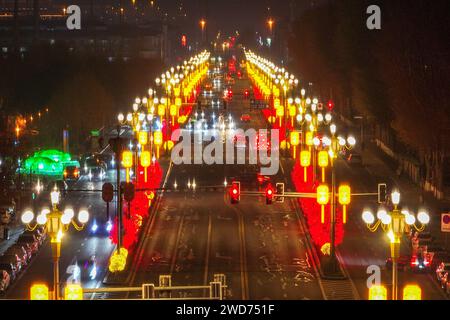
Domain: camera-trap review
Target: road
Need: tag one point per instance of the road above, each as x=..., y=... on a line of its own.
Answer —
x=259, y=248
x=77, y=247
x=361, y=248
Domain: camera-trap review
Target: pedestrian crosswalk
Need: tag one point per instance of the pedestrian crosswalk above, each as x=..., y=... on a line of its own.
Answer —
x=338, y=290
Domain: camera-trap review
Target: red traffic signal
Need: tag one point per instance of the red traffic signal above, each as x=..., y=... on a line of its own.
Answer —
x=128, y=191
x=235, y=192
x=107, y=192
x=330, y=105
x=269, y=194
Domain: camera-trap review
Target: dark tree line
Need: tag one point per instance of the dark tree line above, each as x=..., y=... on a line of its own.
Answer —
x=82, y=91
x=398, y=77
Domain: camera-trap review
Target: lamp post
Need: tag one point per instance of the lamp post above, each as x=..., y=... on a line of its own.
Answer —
x=334, y=145
x=202, y=26
x=56, y=223
x=270, y=23
x=395, y=223
x=117, y=151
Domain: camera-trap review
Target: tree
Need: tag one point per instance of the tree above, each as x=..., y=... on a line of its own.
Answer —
x=81, y=104
x=417, y=72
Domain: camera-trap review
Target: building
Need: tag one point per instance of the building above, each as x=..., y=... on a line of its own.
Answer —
x=105, y=29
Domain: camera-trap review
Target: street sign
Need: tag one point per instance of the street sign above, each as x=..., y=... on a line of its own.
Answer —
x=445, y=222
x=382, y=192
x=280, y=192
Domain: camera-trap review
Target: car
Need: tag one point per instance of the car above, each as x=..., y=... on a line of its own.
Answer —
x=14, y=259
x=240, y=140
x=424, y=236
x=420, y=262
x=402, y=263
x=107, y=159
x=7, y=210
x=20, y=251
x=245, y=118
x=437, y=258
x=262, y=179
x=39, y=232
x=31, y=248
x=9, y=267
x=447, y=288
x=5, y=280
x=435, y=248
x=93, y=162
x=71, y=173
x=262, y=142
x=97, y=173
x=100, y=227
x=442, y=272
x=6, y=215
x=28, y=248
x=421, y=244
x=31, y=240
x=354, y=159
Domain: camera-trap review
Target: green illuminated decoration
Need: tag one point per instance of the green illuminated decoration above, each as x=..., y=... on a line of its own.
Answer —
x=55, y=155
x=47, y=163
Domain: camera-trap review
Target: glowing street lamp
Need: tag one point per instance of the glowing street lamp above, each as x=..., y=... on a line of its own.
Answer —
x=56, y=223
x=39, y=291
x=344, y=195
x=377, y=292
x=412, y=292
x=203, y=25
x=323, y=196
x=305, y=161
x=395, y=223
x=295, y=141
x=270, y=23
x=127, y=162
x=145, y=162
x=323, y=162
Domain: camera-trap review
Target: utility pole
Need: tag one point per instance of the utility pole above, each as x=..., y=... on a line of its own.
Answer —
x=37, y=18
x=16, y=24
x=116, y=144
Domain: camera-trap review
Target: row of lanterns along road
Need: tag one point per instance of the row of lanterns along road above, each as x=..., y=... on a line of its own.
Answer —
x=309, y=135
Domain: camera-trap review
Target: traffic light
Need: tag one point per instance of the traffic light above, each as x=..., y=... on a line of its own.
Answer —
x=280, y=192
x=269, y=194
x=107, y=192
x=235, y=192
x=330, y=105
x=382, y=192
x=128, y=191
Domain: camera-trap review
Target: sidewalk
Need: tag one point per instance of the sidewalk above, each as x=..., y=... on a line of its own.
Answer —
x=412, y=196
